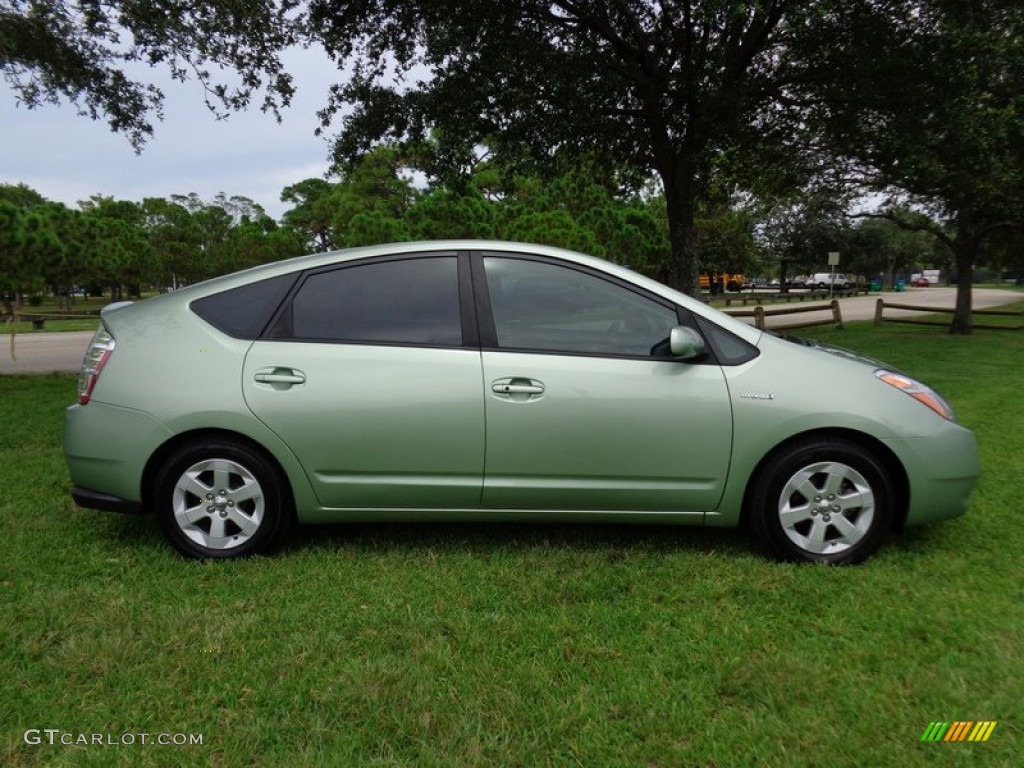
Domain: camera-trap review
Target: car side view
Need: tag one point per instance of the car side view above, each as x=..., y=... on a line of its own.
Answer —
x=477, y=380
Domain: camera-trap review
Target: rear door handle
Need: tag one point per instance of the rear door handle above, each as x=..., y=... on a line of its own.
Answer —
x=517, y=388
x=280, y=376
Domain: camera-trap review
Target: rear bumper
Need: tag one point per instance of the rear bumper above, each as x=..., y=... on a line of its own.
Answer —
x=105, y=502
x=106, y=448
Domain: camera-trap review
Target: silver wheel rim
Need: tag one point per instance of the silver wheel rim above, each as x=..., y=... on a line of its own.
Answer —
x=826, y=508
x=218, y=504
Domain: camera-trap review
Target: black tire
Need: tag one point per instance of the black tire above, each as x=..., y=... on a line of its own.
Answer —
x=252, y=515
x=822, y=500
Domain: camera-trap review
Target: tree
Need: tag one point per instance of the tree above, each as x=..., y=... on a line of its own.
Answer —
x=176, y=239
x=33, y=251
x=879, y=246
x=310, y=216
x=946, y=136
x=798, y=233
x=112, y=247
x=86, y=53
x=21, y=195
x=920, y=97
x=12, y=238
x=16, y=269
x=662, y=87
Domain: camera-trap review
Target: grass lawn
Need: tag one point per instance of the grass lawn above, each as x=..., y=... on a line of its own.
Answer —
x=483, y=645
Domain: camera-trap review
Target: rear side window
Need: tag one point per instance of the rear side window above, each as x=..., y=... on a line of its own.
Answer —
x=244, y=312
x=408, y=301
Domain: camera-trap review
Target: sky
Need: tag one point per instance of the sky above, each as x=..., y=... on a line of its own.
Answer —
x=67, y=158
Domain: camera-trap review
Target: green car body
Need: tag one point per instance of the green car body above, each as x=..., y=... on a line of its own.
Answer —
x=515, y=382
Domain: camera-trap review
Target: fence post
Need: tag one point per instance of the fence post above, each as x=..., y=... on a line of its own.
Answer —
x=879, y=308
x=759, y=317
x=837, y=314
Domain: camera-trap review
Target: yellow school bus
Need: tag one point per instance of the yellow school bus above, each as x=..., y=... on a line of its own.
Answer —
x=728, y=280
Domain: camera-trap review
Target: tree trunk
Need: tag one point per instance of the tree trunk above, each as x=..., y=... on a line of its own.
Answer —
x=965, y=249
x=681, y=202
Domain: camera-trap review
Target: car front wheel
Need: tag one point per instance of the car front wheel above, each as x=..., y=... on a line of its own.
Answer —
x=822, y=500
x=220, y=499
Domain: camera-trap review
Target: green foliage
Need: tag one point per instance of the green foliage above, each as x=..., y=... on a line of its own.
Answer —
x=21, y=196
x=88, y=54
x=375, y=202
x=947, y=132
x=444, y=214
x=879, y=246
x=311, y=215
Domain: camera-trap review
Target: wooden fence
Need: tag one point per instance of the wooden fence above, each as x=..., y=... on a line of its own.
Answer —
x=883, y=305
x=759, y=314
x=38, y=319
x=795, y=294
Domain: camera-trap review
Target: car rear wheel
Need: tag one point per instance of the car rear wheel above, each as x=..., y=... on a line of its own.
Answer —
x=822, y=500
x=220, y=499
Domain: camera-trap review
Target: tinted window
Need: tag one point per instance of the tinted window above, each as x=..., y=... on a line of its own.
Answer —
x=540, y=306
x=413, y=301
x=243, y=312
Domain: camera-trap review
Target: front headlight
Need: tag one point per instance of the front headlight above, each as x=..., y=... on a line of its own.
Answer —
x=920, y=392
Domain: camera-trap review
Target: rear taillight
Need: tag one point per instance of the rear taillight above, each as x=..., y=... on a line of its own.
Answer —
x=96, y=356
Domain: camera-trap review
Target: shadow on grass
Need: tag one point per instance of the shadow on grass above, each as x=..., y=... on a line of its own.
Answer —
x=143, y=534
x=498, y=537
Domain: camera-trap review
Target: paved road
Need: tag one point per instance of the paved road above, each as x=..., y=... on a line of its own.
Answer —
x=44, y=352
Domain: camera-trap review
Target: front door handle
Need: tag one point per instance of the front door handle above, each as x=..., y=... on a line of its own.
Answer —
x=280, y=378
x=517, y=388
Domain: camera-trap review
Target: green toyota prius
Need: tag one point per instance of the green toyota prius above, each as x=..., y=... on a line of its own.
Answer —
x=476, y=380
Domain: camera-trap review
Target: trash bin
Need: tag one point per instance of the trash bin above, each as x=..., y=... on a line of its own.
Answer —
x=901, y=286
x=875, y=285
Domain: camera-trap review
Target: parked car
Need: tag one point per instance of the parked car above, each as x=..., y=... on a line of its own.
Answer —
x=465, y=380
x=826, y=279
x=921, y=282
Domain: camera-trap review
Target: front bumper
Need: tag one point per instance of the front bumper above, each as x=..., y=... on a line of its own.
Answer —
x=942, y=469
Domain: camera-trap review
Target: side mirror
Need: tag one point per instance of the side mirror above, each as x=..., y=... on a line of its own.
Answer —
x=685, y=343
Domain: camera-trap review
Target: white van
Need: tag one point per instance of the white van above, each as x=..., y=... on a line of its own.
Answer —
x=825, y=279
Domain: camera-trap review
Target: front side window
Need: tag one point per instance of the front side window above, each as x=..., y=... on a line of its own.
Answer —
x=544, y=307
x=411, y=301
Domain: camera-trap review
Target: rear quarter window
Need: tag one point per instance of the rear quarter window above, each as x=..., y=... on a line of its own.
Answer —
x=244, y=312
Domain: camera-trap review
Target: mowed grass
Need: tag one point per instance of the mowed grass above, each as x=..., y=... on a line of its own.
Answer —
x=525, y=645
